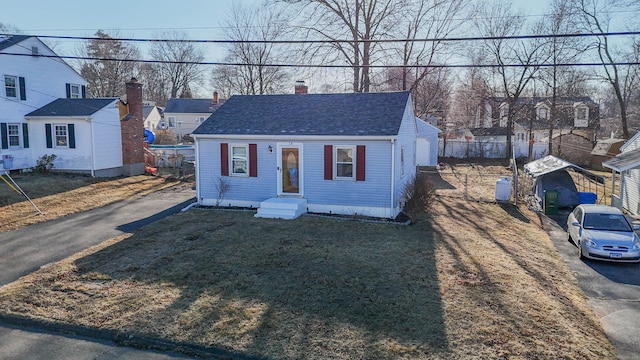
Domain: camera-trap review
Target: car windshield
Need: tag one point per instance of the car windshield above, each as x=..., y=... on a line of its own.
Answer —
x=610, y=222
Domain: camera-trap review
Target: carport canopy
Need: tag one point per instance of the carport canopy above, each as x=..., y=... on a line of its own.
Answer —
x=550, y=163
x=623, y=161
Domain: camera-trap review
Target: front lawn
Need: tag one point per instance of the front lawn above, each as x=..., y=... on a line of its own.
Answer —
x=471, y=280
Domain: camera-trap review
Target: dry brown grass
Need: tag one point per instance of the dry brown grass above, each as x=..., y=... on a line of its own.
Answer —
x=58, y=195
x=470, y=281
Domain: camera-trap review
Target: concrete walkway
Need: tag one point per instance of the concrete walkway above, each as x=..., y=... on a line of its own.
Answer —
x=26, y=250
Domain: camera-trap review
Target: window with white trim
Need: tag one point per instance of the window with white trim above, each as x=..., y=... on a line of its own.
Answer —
x=14, y=134
x=581, y=116
x=344, y=164
x=61, y=135
x=239, y=160
x=543, y=113
x=75, y=91
x=11, y=86
x=172, y=121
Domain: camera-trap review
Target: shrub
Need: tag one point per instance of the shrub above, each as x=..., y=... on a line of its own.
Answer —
x=44, y=164
x=417, y=196
x=165, y=137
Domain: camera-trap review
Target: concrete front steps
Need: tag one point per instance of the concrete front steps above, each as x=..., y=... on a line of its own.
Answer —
x=282, y=208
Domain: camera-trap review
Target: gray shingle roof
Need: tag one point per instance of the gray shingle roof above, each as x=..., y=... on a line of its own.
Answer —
x=188, y=106
x=492, y=131
x=359, y=114
x=12, y=40
x=71, y=107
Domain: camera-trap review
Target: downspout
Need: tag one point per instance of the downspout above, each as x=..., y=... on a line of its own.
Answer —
x=93, y=150
x=197, y=170
x=393, y=175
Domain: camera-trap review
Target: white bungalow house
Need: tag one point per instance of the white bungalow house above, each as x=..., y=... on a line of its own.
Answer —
x=323, y=153
x=152, y=116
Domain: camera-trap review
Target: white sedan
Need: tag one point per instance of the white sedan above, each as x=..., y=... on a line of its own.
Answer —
x=603, y=232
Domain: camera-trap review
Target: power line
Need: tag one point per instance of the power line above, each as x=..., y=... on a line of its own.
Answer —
x=335, y=41
x=325, y=66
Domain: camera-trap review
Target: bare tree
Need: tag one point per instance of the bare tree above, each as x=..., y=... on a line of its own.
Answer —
x=361, y=22
x=156, y=87
x=253, y=77
x=595, y=18
x=111, y=67
x=425, y=19
x=179, y=62
x=496, y=21
x=559, y=50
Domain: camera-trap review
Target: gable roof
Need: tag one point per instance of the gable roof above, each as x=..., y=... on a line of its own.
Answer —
x=147, y=109
x=71, y=107
x=355, y=114
x=190, y=106
x=623, y=161
x=11, y=40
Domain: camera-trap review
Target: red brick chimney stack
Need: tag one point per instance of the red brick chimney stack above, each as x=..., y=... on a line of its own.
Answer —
x=215, y=97
x=301, y=88
x=132, y=127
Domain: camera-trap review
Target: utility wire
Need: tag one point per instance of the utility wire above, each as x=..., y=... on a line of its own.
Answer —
x=335, y=41
x=324, y=66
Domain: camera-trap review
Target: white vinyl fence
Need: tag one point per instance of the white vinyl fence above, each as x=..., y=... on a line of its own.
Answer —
x=461, y=149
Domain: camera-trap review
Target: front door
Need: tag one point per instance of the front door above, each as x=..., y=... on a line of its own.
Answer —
x=290, y=169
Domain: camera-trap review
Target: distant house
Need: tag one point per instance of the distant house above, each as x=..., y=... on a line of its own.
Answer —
x=532, y=116
x=152, y=116
x=182, y=116
x=482, y=134
x=627, y=163
x=45, y=111
x=325, y=153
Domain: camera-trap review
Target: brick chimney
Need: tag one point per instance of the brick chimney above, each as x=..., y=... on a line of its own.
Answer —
x=132, y=129
x=215, y=97
x=301, y=88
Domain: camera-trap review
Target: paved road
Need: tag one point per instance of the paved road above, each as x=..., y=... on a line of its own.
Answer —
x=25, y=250
x=613, y=290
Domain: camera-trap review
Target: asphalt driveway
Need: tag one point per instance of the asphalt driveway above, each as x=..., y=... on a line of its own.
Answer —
x=612, y=289
x=26, y=250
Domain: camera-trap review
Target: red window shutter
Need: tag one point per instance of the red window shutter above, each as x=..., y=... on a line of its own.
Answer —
x=253, y=160
x=361, y=159
x=224, y=159
x=328, y=162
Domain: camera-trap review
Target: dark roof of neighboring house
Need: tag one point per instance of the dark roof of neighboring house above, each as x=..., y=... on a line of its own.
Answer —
x=359, y=114
x=182, y=106
x=12, y=40
x=492, y=131
x=71, y=107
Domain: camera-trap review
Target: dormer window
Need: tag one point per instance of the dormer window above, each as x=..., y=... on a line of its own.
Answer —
x=581, y=113
x=543, y=113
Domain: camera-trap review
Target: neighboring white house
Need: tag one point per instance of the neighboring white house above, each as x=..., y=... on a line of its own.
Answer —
x=80, y=132
x=627, y=163
x=183, y=116
x=152, y=117
x=29, y=82
x=44, y=110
